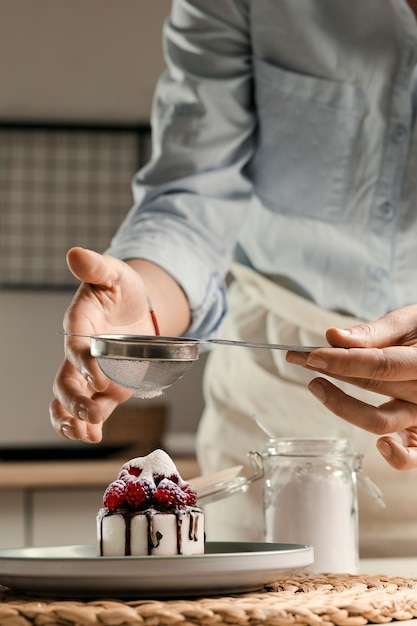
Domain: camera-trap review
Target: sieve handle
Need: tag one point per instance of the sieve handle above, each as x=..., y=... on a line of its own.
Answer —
x=268, y=346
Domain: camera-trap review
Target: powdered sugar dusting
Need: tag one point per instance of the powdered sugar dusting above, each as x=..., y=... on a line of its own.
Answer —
x=157, y=463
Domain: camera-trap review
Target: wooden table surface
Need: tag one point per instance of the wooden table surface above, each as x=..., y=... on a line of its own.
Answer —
x=82, y=473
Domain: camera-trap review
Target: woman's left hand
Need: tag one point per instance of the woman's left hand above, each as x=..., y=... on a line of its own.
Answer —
x=380, y=356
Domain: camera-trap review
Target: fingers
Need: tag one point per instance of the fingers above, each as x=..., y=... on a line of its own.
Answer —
x=78, y=411
x=77, y=351
x=396, y=363
x=398, y=456
x=75, y=396
x=396, y=328
x=375, y=370
x=71, y=428
x=389, y=417
x=393, y=416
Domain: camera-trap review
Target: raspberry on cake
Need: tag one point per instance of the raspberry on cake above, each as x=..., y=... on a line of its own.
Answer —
x=150, y=510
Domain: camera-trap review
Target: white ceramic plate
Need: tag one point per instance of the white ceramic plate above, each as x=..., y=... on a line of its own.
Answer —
x=76, y=570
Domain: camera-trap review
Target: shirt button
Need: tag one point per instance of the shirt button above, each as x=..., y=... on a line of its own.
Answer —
x=400, y=133
x=386, y=210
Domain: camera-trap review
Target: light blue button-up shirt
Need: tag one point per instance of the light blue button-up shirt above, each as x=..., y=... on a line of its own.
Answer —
x=284, y=135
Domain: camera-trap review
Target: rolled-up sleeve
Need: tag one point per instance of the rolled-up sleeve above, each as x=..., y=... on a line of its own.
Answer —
x=192, y=198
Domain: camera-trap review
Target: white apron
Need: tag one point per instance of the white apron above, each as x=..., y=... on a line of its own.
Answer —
x=240, y=382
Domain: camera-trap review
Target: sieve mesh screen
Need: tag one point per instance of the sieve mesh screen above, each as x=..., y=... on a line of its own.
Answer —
x=147, y=378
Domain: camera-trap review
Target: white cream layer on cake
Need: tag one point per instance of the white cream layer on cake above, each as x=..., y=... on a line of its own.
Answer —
x=148, y=532
x=150, y=510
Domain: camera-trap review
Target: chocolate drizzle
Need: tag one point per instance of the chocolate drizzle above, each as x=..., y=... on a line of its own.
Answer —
x=128, y=534
x=149, y=528
x=193, y=527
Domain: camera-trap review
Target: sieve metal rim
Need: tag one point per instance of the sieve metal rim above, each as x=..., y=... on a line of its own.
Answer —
x=144, y=347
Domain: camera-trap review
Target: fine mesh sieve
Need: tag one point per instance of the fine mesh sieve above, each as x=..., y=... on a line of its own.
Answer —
x=149, y=364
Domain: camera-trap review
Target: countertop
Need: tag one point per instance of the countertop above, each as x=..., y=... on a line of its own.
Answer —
x=404, y=566
x=73, y=474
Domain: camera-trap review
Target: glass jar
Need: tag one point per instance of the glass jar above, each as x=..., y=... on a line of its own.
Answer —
x=310, y=497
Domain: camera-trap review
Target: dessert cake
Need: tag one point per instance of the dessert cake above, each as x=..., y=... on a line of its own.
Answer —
x=150, y=510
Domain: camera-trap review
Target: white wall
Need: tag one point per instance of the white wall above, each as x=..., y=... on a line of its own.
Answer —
x=80, y=59
x=65, y=60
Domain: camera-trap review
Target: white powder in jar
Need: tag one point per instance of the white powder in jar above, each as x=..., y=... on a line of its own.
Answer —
x=318, y=510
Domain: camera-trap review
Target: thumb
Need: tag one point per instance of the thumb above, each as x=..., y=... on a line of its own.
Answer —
x=397, y=455
x=396, y=328
x=92, y=267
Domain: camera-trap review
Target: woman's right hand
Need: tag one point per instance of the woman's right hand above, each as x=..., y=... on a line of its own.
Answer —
x=111, y=299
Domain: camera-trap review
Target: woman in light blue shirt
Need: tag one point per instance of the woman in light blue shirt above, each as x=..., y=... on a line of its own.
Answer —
x=285, y=149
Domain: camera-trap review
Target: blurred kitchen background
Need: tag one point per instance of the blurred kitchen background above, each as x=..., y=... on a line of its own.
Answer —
x=77, y=80
x=76, y=84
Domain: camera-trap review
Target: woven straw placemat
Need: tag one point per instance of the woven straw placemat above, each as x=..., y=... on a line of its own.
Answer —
x=313, y=600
